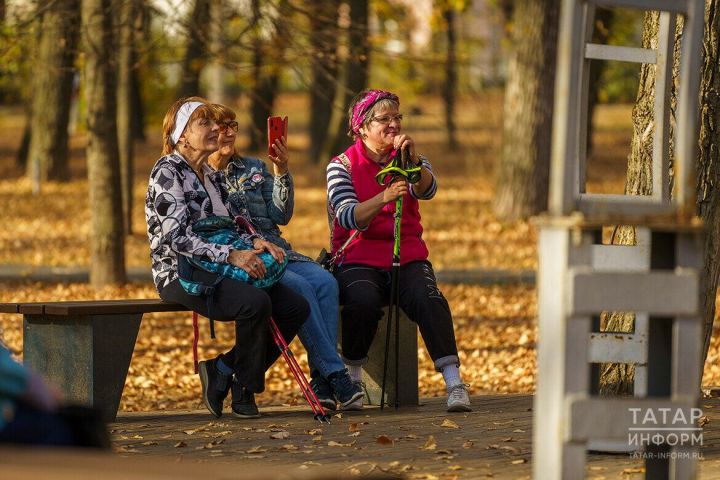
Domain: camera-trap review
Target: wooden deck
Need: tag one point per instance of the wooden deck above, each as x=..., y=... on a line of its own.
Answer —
x=494, y=441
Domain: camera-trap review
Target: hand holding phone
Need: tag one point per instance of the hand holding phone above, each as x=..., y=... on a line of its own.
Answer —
x=277, y=128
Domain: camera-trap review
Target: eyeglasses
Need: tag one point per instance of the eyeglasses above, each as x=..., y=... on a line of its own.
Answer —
x=225, y=126
x=386, y=119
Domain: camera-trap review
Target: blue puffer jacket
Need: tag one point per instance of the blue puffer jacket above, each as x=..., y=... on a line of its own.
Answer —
x=267, y=200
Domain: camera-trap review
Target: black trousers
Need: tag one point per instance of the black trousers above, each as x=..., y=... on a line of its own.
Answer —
x=363, y=292
x=250, y=308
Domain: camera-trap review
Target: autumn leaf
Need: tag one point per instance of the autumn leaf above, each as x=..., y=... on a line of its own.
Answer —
x=468, y=444
x=333, y=443
x=518, y=461
x=384, y=440
x=353, y=427
x=258, y=449
x=447, y=423
x=281, y=435
x=180, y=445
x=629, y=471
x=430, y=444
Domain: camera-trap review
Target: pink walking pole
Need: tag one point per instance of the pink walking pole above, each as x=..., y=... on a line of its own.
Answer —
x=317, y=408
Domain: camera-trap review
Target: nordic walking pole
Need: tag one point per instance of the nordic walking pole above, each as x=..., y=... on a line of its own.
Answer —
x=394, y=304
x=394, y=307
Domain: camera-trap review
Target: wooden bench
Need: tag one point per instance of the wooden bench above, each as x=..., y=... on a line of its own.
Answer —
x=85, y=348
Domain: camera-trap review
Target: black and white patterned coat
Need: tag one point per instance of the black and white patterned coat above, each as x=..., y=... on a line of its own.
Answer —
x=175, y=200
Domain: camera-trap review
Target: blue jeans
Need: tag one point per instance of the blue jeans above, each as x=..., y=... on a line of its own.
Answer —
x=320, y=332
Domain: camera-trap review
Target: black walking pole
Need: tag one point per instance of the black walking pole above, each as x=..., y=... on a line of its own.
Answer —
x=394, y=170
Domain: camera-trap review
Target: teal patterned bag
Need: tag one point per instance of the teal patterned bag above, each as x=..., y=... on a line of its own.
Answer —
x=223, y=230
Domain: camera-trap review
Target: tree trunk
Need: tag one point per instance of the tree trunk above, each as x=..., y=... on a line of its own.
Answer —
x=617, y=378
x=127, y=13
x=323, y=39
x=141, y=37
x=107, y=253
x=22, y=153
x=450, y=85
x=195, y=53
x=216, y=69
x=639, y=178
x=52, y=91
x=356, y=73
x=522, y=179
x=267, y=62
x=708, y=160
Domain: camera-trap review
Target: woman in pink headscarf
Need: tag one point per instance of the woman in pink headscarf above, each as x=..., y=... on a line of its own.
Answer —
x=360, y=204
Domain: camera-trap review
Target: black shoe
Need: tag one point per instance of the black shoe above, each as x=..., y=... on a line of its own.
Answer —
x=321, y=387
x=347, y=393
x=215, y=386
x=243, y=402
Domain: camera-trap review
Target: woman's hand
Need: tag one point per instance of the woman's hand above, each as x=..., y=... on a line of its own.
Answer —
x=263, y=245
x=396, y=189
x=248, y=261
x=280, y=161
x=401, y=141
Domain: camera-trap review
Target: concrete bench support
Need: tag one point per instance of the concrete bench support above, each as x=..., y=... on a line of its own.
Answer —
x=407, y=385
x=87, y=356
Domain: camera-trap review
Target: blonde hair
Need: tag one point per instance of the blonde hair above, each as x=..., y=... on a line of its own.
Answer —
x=203, y=111
x=222, y=111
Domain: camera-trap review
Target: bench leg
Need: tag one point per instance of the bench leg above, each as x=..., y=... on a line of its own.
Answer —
x=87, y=357
x=407, y=386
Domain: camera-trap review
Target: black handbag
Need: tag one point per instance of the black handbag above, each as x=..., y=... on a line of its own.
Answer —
x=330, y=262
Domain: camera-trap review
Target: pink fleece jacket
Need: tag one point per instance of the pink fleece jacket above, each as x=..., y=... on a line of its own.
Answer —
x=374, y=246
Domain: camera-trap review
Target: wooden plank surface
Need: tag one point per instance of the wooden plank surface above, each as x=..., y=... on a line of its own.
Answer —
x=9, y=307
x=101, y=307
x=23, y=464
x=620, y=53
x=493, y=441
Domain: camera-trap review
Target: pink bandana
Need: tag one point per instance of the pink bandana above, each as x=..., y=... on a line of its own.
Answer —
x=362, y=107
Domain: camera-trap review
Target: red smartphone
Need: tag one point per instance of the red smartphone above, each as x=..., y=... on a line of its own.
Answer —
x=277, y=128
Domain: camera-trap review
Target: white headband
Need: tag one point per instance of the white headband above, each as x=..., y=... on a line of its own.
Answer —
x=181, y=119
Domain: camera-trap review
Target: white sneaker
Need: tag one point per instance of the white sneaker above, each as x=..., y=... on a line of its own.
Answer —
x=458, y=398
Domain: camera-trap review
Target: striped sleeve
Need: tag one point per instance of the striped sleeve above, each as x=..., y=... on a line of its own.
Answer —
x=432, y=189
x=341, y=195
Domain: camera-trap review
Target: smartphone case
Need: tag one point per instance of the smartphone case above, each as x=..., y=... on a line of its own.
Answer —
x=277, y=128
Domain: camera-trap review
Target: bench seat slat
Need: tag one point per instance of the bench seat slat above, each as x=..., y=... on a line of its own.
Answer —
x=101, y=307
x=9, y=308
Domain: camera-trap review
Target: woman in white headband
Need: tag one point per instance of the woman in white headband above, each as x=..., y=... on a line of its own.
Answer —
x=182, y=190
